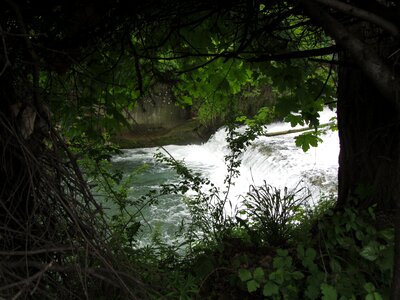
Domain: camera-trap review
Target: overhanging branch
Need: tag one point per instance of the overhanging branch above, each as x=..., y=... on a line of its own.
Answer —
x=362, y=14
x=5, y=53
x=364, y=56
x=296, y=54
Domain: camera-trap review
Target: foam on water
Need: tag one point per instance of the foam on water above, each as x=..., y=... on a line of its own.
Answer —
x=276, y=160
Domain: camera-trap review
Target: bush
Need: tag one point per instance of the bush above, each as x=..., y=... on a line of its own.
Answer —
x=274, y=213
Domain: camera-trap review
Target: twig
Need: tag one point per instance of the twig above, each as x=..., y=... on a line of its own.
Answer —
x=28, y=280
x=35, y=252
x=374, y=67
x=7, y=61
x=296, y=54
x=212, y=272
x=362, y=14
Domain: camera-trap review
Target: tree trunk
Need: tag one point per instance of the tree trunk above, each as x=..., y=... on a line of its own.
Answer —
x=368, y=115
x=369, y=134
x=369, y=127
x=369, y=142
x=368, y=110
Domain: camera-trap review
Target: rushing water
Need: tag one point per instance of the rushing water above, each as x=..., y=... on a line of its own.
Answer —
x=276, y=160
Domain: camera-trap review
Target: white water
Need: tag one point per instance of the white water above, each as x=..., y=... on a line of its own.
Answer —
x=277, y=160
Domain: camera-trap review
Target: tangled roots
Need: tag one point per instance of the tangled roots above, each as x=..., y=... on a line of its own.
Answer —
x=54, y=240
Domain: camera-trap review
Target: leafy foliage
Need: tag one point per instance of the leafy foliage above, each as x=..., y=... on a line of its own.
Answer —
x=328, y=254
x=306, y=140
x=336, y=265
x=276, y=247
x=206, y=51
x=97, y=103
x=272, y=212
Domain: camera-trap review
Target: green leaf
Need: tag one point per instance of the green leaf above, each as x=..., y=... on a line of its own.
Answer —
x=359, y=235
x=270, y=289
x=244, y=275
x=310, y=254
x=259, y=274
x=282, y=262
x=294, y=120
x=277, y=276
x=370, y=251
x=308, y=258
x=312, y=292
x=306, y=140
x=282, y=252
x=252, y=285
x=241, y=119
x=387, y=234
x=297, y=275
x=328, y=292
x=386, y=260
x=300, y=251
x=249, y=74
x=186, y=100
x=335, y=266
x=133, y=228
x=302, y=141
x=373, y=296
x=264, y=115
x=369, y=287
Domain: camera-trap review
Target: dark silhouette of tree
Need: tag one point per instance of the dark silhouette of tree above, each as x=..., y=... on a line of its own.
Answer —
x=47, y=212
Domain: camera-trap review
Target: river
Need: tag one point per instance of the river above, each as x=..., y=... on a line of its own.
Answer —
x=277, y=160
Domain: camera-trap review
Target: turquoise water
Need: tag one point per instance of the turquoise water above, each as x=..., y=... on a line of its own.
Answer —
x=168, y=211
x=274, y=159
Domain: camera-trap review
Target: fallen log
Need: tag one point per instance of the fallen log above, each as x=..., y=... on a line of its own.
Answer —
x=303, y=129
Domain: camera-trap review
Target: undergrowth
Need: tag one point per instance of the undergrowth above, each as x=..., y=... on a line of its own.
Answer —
x=275, y=246
x=330, y=255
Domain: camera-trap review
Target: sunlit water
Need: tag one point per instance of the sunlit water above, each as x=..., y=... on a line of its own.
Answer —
x=275, y=160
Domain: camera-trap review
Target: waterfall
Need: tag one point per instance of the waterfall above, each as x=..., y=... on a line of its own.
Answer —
x=276, y=159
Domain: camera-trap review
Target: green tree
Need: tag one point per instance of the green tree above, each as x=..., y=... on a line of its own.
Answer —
x=55, y=36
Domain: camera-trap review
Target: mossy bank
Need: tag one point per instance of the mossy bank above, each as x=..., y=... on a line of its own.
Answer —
x=189, y=132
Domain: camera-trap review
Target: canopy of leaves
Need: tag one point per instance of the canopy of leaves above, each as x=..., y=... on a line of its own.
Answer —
x=216, y=59
x=91, y=60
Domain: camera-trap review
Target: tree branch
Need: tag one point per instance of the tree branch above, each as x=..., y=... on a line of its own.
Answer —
x=37, y=251
x=295, y=54
x=296, y=130
x=6, y=60
x=31, y=51
x=331, y=62
x=364, y=56
x=362, y=14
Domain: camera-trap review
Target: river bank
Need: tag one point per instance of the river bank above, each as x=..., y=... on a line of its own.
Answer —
x=188, y=132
